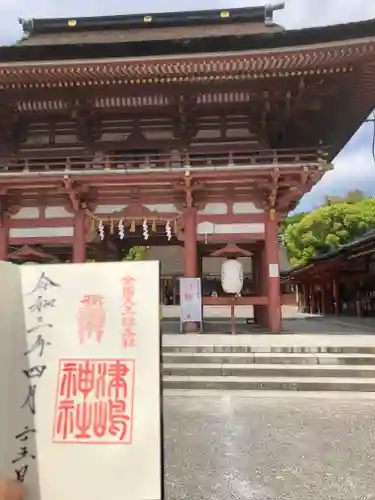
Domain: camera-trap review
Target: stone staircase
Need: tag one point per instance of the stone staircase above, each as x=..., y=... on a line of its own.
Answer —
x=346, y=368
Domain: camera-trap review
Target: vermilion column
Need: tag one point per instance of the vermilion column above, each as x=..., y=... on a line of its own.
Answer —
x=190, y=244
x=79, y=238
x=256, y=269
x=305, y=289
x=200, y=265
x=259, y=285
x=313, y=306
x=4, y=237
x=336, y=297
x=263, y=314
x=273, y=274
x=323, y=295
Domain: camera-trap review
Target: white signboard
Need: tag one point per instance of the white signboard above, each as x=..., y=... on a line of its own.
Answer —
x=274, y=271
x=190, y=301
x=85, y=378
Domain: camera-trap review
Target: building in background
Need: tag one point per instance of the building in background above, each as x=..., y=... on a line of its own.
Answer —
x=340, y=282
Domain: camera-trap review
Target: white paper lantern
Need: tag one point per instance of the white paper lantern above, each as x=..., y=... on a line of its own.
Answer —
x=232, y=276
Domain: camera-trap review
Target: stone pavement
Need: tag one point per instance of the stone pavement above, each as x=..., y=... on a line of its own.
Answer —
x=352, y=322
x=289, y=448
x=298, y=324
x=330, y=325
x=222, y=312
x=271, y=340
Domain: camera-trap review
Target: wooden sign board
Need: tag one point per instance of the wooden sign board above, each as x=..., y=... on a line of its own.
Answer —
x=81, y=358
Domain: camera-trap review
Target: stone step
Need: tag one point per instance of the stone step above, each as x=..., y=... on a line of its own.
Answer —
x=264, y=370
x=247, y=349
x=269, y=383
x=270, y=358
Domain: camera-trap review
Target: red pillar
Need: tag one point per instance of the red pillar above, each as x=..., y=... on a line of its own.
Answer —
x=336, y=297
x=200, y=265
x=305, y=289
x=264, y=287
x=79, y=238
x=190, y=252
x=272, y=254
x=4, y=237
x=190, y=244
x=323, y=306
x=313, y=304
x=257, y=274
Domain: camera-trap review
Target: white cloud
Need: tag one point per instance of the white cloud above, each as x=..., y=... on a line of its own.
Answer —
x=354, y=169
x=304, y=13
x=356, y=157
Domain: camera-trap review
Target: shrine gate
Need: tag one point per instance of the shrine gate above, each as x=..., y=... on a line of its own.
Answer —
x=198, y=129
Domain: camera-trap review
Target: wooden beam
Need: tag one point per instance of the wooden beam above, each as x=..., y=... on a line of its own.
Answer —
x=279, y=86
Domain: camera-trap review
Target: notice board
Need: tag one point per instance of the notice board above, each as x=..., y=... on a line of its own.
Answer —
x=191, y=306
x=82, y=357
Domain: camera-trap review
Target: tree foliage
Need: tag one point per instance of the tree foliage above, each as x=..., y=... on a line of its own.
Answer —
x=351, y=197
x=327, y=228
x=292, y=219
x=135, y=253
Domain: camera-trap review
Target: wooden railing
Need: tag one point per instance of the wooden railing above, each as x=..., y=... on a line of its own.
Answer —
x=169, y=161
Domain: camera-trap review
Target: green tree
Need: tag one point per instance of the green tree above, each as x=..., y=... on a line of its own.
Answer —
x=135, y=253
x=355, y=196
x=351, y=197
x=327, y=228
x=292, y=219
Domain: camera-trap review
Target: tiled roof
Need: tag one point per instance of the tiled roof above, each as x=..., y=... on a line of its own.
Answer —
x=150, y=20
x=365, y=238
x=167, y=40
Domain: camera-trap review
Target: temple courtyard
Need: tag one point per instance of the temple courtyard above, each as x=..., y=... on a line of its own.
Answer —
x=269, y=447
x=217, y=322
x=274, y=444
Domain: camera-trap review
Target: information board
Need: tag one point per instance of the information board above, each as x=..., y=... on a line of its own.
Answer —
x=191, y=307
x=84, y=414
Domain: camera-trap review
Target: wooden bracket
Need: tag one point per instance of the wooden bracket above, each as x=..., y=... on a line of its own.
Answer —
x=77, y=194
x=188, y=188
x=4, y=209
x=274, y=189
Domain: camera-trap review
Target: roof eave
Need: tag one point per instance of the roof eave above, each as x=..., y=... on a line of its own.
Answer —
x=151, y=20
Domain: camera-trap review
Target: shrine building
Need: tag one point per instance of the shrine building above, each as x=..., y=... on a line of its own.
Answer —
x=339, y=282
x=193, y=130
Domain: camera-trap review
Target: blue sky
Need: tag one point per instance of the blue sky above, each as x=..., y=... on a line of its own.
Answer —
x=354, y=167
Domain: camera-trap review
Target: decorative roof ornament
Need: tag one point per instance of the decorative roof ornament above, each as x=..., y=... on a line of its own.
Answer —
x=231, y=250
x=116, y=224
x=101, y=230
x=31, y=255
x=269, y=9
x=168, y=230
x=121, y=229
x=145, y=230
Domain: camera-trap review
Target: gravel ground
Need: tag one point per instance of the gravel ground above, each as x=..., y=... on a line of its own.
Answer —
x=237, y=448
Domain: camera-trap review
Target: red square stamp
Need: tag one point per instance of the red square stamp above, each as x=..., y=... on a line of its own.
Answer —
x=94, y=401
